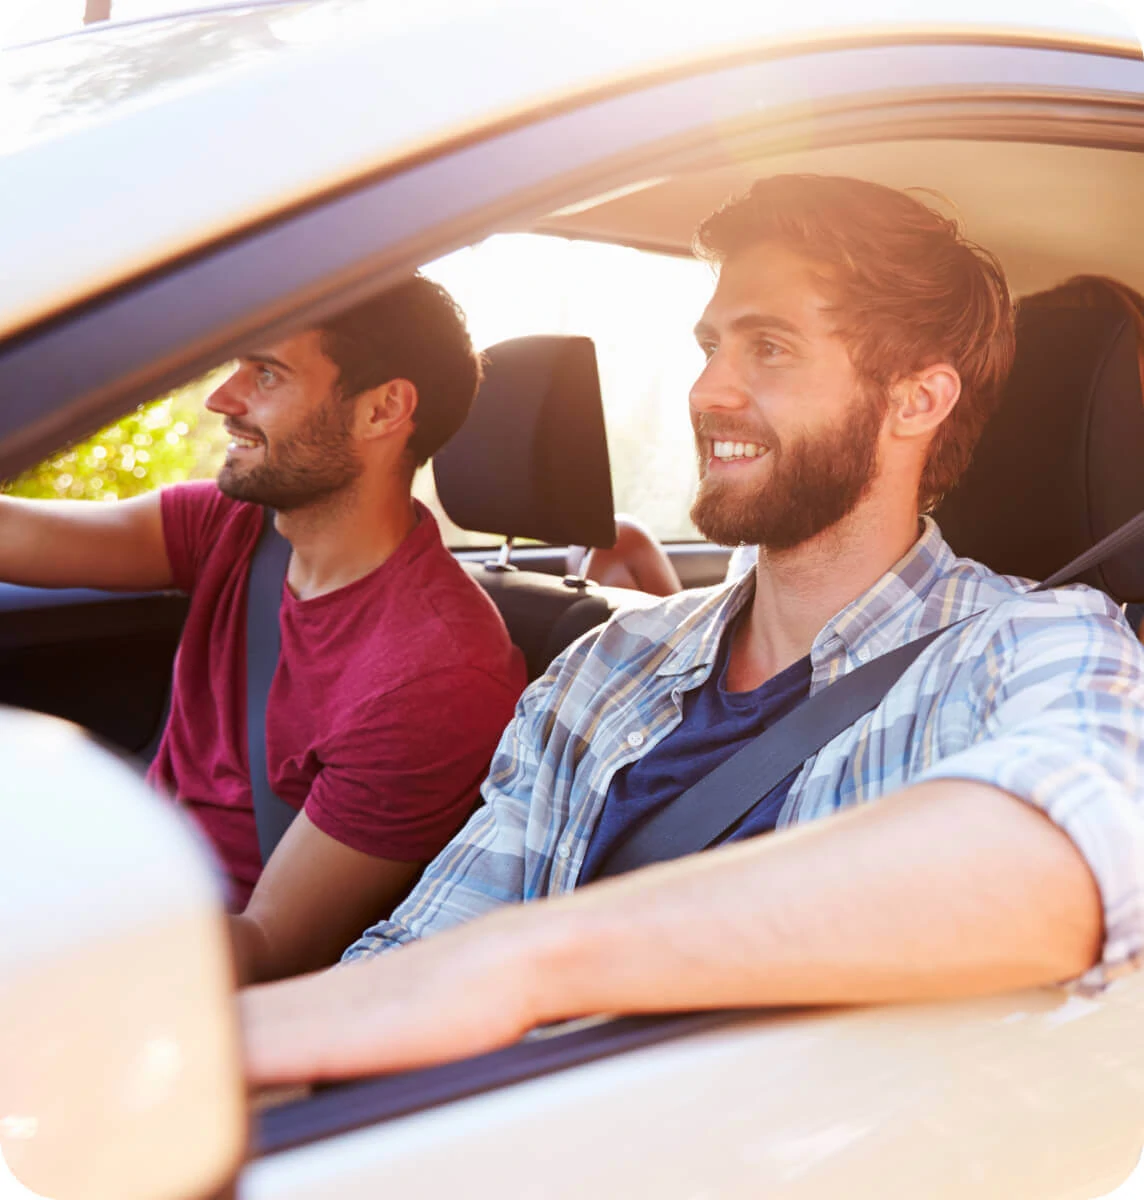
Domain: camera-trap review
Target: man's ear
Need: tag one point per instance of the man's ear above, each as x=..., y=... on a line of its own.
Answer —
x=919, y=403
x=387, y=409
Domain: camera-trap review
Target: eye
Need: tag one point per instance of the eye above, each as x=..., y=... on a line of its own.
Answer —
x=765, y=348
x=708, y=348
x=267, y=376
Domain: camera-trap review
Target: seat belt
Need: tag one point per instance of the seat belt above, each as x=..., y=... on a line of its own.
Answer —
x=272, y=815
x=716, y=804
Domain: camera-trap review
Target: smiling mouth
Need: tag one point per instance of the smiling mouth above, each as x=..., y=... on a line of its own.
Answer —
x=242, y=441
x=730, y=452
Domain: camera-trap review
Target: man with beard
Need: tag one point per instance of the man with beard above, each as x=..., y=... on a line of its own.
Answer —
x=958, y=839
x=395, y=676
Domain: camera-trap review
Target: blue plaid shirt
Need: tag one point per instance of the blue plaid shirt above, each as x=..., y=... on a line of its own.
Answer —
x=1041, y=695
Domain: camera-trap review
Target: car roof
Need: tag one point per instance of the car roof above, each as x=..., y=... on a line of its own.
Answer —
x=128, y=146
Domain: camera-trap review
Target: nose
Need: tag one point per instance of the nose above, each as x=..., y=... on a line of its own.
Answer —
x=227, y=398
x=718, y=388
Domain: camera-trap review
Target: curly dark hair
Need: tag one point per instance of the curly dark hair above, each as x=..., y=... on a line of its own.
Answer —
x=413, y=331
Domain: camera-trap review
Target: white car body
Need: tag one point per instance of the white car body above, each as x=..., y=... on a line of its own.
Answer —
x=1038, y=1094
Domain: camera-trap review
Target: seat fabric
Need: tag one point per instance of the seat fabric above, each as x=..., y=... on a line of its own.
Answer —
x=532, y=461
x=1061, y=463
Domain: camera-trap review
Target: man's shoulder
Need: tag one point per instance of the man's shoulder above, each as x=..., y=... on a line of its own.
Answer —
x=971, y=587
x=1010, y=618
x=428, y=617
x=676, y=613
x=205, y=531
x=203, y=494
x=644, y=636
x=204, y=510
x=439, y=590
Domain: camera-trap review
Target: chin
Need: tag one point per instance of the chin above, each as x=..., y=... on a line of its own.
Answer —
x=726, y=519
x=235, y=485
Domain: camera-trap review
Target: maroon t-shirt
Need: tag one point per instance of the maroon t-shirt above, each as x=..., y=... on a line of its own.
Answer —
x=389, y=698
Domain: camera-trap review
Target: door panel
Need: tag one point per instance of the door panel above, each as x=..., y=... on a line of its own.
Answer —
x=100, y=659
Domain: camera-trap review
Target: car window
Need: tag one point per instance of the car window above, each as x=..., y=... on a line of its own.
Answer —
x=639, y=308
x=167, y=441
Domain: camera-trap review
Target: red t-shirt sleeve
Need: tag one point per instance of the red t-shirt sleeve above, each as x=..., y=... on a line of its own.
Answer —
x=404, y=781
x=193, y=517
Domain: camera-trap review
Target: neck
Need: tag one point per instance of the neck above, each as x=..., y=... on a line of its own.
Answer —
x=797, y=591
x=344, y=537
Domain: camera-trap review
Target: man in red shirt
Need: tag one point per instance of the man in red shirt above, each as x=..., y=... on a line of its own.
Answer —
x=396, y=675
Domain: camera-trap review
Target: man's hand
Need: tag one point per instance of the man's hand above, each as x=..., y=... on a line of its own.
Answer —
x=313, y=898
x=947, y=889
x=463, y=992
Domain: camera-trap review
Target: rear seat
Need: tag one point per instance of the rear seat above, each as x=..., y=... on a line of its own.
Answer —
x=531, y=461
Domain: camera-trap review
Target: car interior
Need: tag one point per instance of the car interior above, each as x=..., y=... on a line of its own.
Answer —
x=530, y=469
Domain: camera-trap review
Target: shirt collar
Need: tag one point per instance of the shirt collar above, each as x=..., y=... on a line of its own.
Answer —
x=892, y=607
x=873, y=622
x=698, y=635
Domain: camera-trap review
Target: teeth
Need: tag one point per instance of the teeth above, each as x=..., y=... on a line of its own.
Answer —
x=237, y=439
x=732, y=450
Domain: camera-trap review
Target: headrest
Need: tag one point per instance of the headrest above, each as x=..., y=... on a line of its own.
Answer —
x=1061, y=463
x=531, y=460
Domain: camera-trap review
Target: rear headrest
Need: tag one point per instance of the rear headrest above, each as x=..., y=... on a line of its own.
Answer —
x=1061, y=462
x=531, y=460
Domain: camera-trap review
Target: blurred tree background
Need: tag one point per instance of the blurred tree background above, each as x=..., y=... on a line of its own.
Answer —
x=169, y=440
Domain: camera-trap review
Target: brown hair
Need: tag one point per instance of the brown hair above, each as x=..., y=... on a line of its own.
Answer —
x=908, y=289
x=413, y=331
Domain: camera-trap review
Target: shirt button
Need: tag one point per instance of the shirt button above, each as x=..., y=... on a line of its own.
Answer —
x=562, y=851
x=635, y=739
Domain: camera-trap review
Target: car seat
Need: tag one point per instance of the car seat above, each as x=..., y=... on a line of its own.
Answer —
x=1060, y=465
x=531, y=461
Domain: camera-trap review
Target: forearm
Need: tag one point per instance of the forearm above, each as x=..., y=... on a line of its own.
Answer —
x=75, y=543
x=262, y=954
x=947, y=889
x=248, y=945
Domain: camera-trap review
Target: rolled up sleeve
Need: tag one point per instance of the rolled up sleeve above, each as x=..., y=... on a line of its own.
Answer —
x=1059, y=723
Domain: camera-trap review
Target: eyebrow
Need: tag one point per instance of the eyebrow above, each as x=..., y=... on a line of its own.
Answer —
x=270, y=361
x=753, y=322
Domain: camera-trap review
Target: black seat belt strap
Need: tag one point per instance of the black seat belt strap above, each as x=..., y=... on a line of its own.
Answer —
x=272, y=815
x=719, y=801
x=1105, y=548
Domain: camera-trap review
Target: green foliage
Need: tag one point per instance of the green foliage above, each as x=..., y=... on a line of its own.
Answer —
x=169, y=440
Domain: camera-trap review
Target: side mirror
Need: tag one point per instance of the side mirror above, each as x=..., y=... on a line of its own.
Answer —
x=120, y=1076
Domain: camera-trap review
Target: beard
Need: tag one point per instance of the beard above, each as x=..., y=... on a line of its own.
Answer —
x=813, y=482
x=311, y=464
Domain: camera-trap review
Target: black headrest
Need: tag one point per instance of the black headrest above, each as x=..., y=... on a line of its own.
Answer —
x=531, y=460
x=1061, y=462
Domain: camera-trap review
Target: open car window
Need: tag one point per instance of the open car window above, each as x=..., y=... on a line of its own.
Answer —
x=639, y=309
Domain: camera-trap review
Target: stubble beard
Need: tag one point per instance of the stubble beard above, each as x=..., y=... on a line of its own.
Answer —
x=812, y=483
x=307, y=467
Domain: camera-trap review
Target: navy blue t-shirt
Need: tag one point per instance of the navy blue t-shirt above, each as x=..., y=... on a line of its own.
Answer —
x=715, y=724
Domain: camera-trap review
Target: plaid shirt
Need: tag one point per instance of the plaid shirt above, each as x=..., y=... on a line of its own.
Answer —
x=1041, y=695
